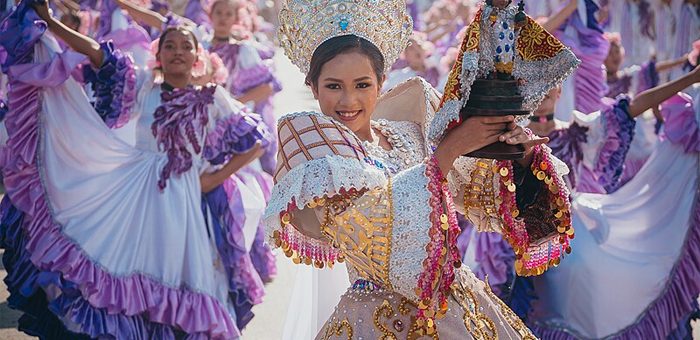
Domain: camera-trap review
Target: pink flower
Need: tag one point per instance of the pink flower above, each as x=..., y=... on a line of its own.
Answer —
x=153, y=62
x=199, y=68
x=220, y=73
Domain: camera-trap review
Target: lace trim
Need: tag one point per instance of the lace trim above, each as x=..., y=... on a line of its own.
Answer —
x=304, y=185
x=405, y=138
x=543, y=75
x=411, y=204
x=450, y=110
x=321, y=178
x=299, y=114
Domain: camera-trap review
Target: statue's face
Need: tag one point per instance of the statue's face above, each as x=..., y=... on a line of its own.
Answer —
x=501, y=3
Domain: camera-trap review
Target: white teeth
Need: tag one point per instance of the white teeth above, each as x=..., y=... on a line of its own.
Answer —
x=348, y=113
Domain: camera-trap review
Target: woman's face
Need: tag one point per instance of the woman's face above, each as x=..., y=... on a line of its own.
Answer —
x=415, y=56
x=347, y=90
x=549, y=103
x=177, y=53
x=223, y=16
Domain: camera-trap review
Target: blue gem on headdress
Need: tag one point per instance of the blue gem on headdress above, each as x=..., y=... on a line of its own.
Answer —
x=507, y=48
x=499, y=50
x=502, y=36
x=505, y=25
x=343, y=24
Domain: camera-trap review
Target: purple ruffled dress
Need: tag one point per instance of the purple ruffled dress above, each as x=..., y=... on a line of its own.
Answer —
x=250, y=65
x=631, y=81
x=635, y=273
x=585, y=37
x=594, y=148
x=105, y=240
x=195, y=12
x=123, y=31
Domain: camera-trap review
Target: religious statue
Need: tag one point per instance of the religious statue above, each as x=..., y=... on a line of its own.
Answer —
x=506, y=64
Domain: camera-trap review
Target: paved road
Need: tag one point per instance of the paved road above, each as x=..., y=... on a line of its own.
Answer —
x=270, y=315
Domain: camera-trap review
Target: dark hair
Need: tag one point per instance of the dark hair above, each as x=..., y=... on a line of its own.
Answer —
x=165, y=32
x=335, y=46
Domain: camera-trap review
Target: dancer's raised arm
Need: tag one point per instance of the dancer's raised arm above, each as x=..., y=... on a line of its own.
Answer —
x=78, y=42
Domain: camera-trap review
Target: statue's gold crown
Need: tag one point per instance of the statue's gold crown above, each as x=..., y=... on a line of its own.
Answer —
x=306, y=24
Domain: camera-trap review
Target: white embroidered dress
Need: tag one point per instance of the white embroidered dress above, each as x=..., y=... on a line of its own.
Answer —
x=337, y=198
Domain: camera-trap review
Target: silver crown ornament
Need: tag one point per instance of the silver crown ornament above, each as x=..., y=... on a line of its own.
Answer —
x=306, y=24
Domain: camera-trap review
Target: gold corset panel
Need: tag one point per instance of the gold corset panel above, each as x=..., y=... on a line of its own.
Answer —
x=360, y=227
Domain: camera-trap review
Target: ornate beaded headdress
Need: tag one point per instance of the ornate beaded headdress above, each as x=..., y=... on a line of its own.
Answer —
x=306, y=24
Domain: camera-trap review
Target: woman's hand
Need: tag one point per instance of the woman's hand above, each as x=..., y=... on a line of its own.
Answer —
x=473, y=134
x=477, y=132
x=211, y=180
x=77, y=42
x=517, y=135
x=254, y=153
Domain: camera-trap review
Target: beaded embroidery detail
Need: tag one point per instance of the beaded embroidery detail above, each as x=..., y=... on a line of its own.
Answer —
x=306, y=24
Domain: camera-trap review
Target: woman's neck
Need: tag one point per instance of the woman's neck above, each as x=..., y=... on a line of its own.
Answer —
x=222, y=37
x=177, y=81
x=419, y=68
x=542, y=129
x=365, y=133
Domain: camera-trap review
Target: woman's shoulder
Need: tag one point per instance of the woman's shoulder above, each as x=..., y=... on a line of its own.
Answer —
x=297, y=114
x=414, y=100
x=307, y=136
x=318, y=157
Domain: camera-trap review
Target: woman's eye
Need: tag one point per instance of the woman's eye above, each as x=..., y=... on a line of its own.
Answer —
x=363, y=85
x=333, y=86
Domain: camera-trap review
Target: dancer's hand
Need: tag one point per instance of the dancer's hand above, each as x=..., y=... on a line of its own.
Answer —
x=254, y=153
x=517, y=135
x=209, y=181
x=473, y=134
x=76, y=41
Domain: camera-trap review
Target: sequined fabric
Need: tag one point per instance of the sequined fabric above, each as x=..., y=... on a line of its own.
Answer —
x=474, y=313
x=381, y=229
x=385, y=313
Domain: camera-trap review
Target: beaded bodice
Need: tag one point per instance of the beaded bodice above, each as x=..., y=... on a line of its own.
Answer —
x=407, y=144
x=361, y=226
